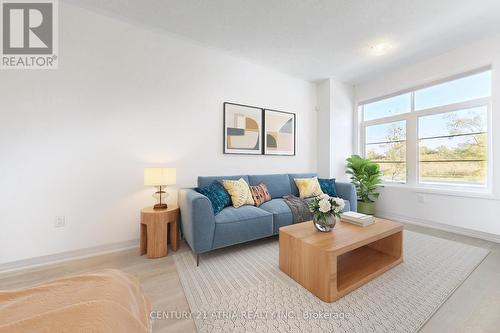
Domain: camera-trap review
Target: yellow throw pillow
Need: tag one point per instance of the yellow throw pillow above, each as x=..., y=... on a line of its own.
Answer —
x=239, y=192
x=308, y=187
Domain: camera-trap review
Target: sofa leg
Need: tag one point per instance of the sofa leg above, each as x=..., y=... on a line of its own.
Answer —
x=197, y=260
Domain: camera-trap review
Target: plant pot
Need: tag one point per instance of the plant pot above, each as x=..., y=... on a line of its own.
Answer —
x=325, y=225
x=366, y=207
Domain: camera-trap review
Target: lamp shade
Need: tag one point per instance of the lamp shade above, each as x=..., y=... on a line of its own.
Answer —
x=159, y=176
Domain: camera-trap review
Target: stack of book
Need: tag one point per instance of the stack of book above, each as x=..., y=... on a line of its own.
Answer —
x=357, y=218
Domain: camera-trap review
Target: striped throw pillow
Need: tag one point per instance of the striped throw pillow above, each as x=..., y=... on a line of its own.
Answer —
x=260, y=194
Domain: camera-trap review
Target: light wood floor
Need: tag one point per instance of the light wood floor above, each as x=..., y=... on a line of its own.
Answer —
x=474, y=307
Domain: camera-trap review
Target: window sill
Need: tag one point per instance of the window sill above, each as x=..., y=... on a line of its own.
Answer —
x=464, y=192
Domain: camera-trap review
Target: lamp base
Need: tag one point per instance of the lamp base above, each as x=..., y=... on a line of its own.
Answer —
x=160, y=206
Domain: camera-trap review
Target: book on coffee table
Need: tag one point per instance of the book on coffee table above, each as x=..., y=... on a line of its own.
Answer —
x=362, y=220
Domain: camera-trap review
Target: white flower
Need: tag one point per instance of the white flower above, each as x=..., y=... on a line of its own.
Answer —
x=324, y=206
x=340, y=203
x=324, y=196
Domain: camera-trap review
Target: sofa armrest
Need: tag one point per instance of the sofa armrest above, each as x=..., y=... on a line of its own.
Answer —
x=197, y=220
x=347, y=191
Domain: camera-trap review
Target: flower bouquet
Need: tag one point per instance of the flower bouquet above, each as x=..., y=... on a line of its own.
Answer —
x=326, y=210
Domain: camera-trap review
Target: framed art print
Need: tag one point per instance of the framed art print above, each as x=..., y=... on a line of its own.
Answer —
x=279, y=133
x=242, y=129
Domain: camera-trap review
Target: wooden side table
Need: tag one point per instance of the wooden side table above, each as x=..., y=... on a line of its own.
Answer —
x=159, y=227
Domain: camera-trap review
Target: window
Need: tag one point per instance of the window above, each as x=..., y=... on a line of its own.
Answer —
x=386, y=145
x=387, y=107
x=456, y=91
x=453, y=147
x=434, y=135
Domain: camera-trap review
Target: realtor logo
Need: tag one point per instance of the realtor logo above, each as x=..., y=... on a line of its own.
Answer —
x=29, y=34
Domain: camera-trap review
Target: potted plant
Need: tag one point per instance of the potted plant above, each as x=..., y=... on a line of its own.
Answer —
x=366, y=177
x=326, y=211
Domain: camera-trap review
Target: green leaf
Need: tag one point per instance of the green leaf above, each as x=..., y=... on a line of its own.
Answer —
x=366, y=177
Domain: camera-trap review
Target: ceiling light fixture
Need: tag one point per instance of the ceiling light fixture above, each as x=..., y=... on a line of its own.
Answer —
x=380, y=48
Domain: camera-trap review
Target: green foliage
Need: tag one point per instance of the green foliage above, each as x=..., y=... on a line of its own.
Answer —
x=366, y=176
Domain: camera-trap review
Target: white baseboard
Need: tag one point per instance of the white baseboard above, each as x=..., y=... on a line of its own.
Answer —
x=70, y=255
x=440, y=226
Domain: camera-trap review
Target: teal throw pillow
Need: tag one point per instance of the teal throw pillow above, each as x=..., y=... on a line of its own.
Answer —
x=217, y=195
x=328, y=186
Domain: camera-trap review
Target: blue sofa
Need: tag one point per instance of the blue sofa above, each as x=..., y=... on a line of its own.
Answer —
x=204, y=232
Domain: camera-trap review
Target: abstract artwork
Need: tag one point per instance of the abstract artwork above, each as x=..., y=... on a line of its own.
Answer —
x=242, y=129
x=279, y=133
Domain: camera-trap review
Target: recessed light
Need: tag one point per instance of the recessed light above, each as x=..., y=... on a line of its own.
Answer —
x=380, y=48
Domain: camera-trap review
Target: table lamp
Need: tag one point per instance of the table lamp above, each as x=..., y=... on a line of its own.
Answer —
x=159, y=178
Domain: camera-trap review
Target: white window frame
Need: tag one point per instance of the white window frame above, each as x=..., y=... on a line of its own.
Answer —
x=381, y=121
x=411, y=120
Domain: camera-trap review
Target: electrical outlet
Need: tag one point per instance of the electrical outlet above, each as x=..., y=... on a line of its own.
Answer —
x=60, y=222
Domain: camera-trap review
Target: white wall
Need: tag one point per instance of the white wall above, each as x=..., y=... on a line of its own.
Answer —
x=324, y=94
x=335, y=127
x=342, y=128
x=74, y=141
x=459, y=211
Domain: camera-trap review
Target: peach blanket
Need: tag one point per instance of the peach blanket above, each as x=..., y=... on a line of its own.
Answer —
x=109, y=301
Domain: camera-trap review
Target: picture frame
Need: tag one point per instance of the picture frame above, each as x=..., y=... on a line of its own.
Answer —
x=279, y=133
x=242, y=129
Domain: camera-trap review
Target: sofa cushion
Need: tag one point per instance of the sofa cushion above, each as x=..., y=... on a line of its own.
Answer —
x=278, y=184
x=217, y=194
x=308, y=187
x=282, y=215
x=292, y=176
x=205, y=181
x=260, y=194
x=239, y=192
x=328, y=186
x=237, y=225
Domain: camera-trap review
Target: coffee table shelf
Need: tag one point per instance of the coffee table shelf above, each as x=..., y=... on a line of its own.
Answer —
x=356, y=267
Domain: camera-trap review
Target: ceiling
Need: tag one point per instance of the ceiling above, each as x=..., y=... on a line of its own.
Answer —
x=316, y=39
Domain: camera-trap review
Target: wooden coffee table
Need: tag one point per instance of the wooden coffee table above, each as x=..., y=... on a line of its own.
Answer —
x=332, y=264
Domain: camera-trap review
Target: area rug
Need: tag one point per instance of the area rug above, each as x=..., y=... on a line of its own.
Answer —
x=241, y=289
